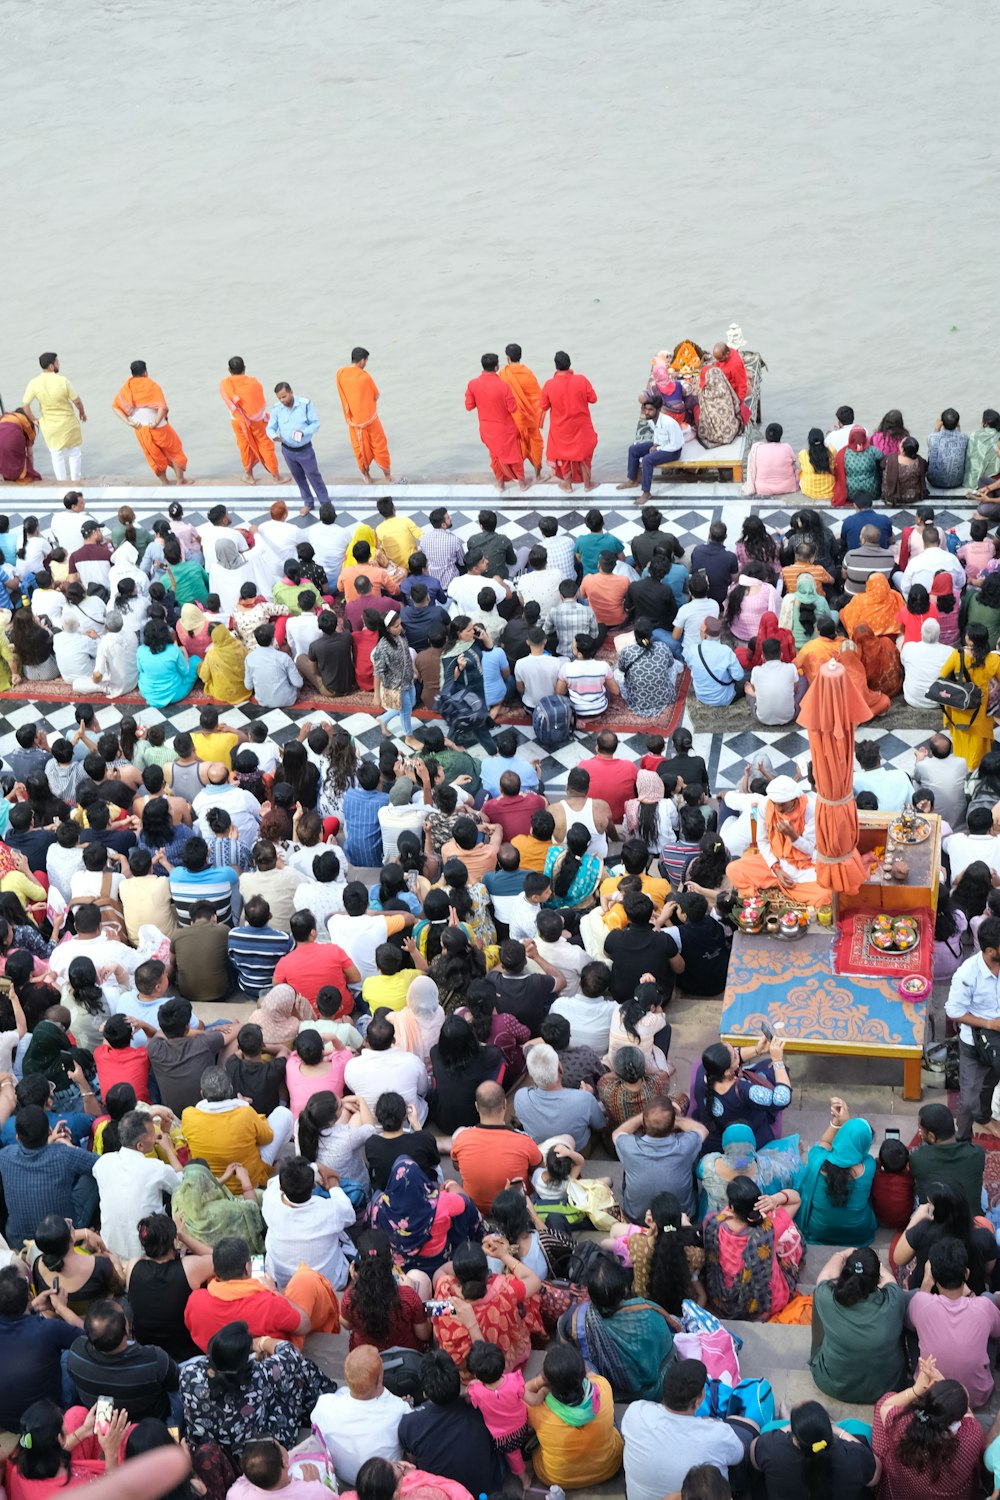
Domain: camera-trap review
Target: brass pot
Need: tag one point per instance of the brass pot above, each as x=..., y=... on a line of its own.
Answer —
x=772, y=926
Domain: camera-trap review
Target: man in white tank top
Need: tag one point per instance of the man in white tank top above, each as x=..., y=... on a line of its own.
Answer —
x=579, y=807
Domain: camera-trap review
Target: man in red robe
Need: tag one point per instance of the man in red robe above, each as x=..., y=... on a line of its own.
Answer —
x=730, y=362
x=495, y=403
x=572, y=438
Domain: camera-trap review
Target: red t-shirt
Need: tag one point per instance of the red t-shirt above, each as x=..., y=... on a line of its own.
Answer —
x=892, y=1197
x=650, y=762
x=123, y=1065
x=404, y=1316
x=611, y=780
x=514, y=813
x=266, y=1314
x=310, y=966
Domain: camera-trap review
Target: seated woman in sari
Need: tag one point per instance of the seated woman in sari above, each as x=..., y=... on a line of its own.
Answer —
x=626, y=1339
x=880, y=659
x=575, y=873
x=664, y=383
x=503, y=1305
x=802, y=611
x=209, y=1212
x=221, y=670
x=572, y=1413
x=424, y=1222
x=17, y=439
x=724, y=1095
x=753, y=1252
x=878, y=607
x=837, y=1183
x=768, y=629
x=773, y=1166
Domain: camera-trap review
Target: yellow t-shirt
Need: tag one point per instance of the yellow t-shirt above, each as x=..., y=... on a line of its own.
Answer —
x=398, y=537
x=55, y=396
x=653, y=886
x=218, y=746
x=387, y=989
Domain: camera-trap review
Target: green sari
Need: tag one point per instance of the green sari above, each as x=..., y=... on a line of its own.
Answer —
x=211, y=1213
x=981, y=460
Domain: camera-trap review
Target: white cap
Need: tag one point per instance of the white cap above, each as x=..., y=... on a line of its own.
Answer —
x=783, y=789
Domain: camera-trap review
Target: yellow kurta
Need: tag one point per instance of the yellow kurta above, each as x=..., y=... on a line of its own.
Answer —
x=55, y=396
x=971, y=734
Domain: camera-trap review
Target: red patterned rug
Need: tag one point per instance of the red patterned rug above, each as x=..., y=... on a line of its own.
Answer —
x=853, y=955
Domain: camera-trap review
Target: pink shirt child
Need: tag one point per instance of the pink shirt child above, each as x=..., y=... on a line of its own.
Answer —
x=505, y=1414
x=974, y=556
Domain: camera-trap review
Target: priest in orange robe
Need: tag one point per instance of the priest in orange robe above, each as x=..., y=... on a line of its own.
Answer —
x=244, y=397
x=528, y=395
x=142, y=405
x=572, y=438
x=358, y=396
x=785, y=855
x=496, y=407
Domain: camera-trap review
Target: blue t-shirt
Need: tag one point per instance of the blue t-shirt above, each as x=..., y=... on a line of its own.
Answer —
x=850, y=532
x=80, y=1126
x=493, y=767
x=30, y=1349
x=494, y=683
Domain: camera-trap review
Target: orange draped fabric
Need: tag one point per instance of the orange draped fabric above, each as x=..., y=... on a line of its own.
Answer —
x=161, y=445
x=244, y=396
x=572, y=436
x=358, y=396
x=829, y=712
x=877, y=703
x=528, y=395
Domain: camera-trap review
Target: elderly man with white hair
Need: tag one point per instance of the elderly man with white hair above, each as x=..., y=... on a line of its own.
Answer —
x=922, y=662
x=222, y=1129
x=546, y=1109
x=785, y=855
x=115, y=671
x=74, y=652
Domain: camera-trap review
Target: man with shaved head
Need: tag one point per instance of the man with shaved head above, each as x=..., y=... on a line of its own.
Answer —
x=361, y=1420
x=937, y=766
x=492, y=1155
x=242, y=807
x=732, y=366
x=658, y=1149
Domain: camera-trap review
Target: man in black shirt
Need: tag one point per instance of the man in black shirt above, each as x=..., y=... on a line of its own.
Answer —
x=690, y=768
x=652, y=539
x=34, y=843
x=381, y=1151
x=263, y=1083
x=525, y=996
x=640, y=949
x=329, y=665
x=111, y=788
x=715, y=559
x=137, y=1377
x=650, y=599
x=447, y=1435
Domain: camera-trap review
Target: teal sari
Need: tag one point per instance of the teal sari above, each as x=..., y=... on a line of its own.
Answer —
x=852, y=1223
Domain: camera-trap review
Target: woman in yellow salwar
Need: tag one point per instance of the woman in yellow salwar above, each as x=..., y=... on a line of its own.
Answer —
x=221, y=671
x=972, y=733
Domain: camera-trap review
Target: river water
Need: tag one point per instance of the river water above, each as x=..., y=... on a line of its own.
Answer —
x=188, y=181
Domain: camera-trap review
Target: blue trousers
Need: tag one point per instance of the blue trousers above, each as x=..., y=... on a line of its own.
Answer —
x=646, y=456
x=304, y=470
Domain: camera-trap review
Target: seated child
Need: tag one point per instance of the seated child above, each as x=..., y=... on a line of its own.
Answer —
x=893, y=1188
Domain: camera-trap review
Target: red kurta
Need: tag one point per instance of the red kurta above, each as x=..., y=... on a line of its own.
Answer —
x=494, y=402
x=572, y=437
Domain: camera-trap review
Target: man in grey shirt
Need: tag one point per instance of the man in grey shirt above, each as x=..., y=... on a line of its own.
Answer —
x=870, y=557
x=272, y=677
x=548, y=1109
x=658, y=1150
x=935, y=765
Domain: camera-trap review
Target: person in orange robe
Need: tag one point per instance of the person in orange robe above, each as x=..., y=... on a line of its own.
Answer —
x=572, y=438
x=358, y=394
x=495, y=404
x=244, y=397
x=159, y=441
x=528, y=394
x=785, y=855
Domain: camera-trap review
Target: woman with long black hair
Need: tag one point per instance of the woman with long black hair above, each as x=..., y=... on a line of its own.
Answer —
x=575, y=874
x=814, y=1460
x=946, y=1215
x=299, y=772
x=230, y=1396
x=333, y=1136
x=379, y=1308
x=816, y=467
x=927, y=1439
x=972, y=731
x=858, y=1316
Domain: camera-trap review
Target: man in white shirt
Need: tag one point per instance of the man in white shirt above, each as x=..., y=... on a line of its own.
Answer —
x=553, y=945
x=329, y=541
x=663, y=1442
x=536, y=674
x=359, y=934
x=303, y=629
x=927, y=564
x=132, y=1184
x=361, y=1420
x=665, y=447
x=688, y=619
x=382, y=1069
x=773, y=686
x=540, y=582
x=243, y=808
x=303, y=1229
x=464, y=589
x=591, y=1011
x=107, y=953
x=75, y=653
x=838, y=437
x=935, y=765
x=893, y=789
x=922, y=662
x=65, y=528
x=980, y=843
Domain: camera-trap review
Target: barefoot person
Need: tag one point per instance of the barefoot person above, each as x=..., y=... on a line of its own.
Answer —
x=141, y=405
x=244, y=396
x=496, y=407
x=665, y=448
x=528, y=394
x=358, y=396
x=61, y=414
x=572, y=438
x=785, y=855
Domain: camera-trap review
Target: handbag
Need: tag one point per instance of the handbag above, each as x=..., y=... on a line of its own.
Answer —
x=987, y=1045
x=391, y=697
x=959, y=693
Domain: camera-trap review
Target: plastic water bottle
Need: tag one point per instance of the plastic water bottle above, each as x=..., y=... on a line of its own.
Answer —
x=555, y=1492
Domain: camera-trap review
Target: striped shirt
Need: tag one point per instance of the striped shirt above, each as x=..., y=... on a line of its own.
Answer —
x=585, y=681
x=561, y=551
x=444, y=552
x=363, y=842
x=219, y=887
x=254, y=952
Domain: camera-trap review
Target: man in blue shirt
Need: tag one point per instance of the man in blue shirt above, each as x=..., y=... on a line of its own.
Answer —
x=864, y=515
x=31, y=1346
x=42, y=1177
x=716, y=675
x=506, y=758
x=294, y=421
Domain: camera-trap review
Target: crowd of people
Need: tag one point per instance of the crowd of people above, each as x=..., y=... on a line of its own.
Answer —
x=447, y=997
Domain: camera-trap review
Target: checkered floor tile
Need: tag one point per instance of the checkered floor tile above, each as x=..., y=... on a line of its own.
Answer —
x=726, y=756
